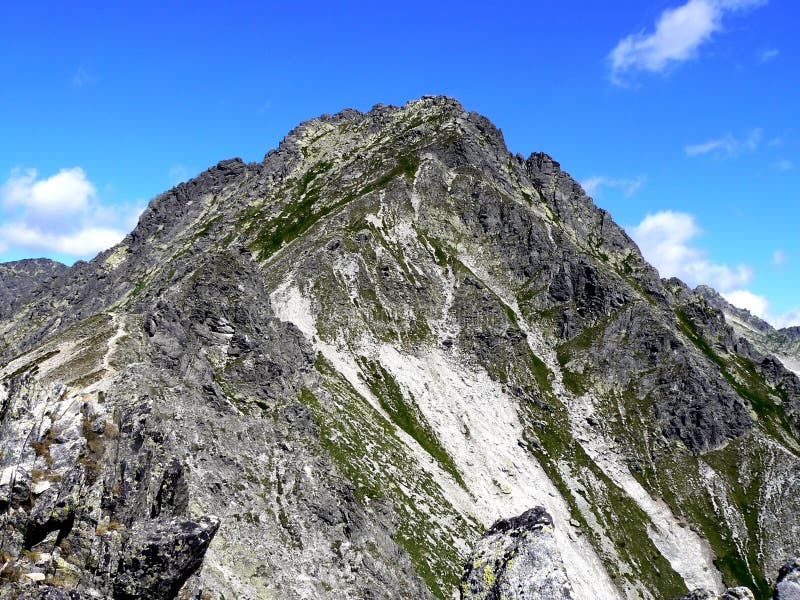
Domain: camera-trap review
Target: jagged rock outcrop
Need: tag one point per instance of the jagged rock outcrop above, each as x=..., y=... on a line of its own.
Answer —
x=19, y=279
x=86, y=490
x=782, y=343
x=359, y=354
x=161, y=555
x=788, y=585
x=517, y=558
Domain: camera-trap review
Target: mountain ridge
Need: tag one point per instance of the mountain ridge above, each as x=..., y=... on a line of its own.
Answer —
x=362, y=351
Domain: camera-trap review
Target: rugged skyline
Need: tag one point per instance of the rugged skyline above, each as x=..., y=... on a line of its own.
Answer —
x=390, y=359
x=684, y=110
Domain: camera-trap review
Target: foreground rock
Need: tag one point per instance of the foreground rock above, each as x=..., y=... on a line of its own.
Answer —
x=517, y=559
x=161, y=556
x=788, y=585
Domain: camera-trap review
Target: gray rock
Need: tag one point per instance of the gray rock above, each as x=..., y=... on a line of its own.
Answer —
x=737, y=593
x=787, y=587
x=517, y=558
x=279, y=343
x=20, y=279
x=160, y=556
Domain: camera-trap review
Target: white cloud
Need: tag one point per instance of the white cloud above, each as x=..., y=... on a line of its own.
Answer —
x=783, y=165
x=82, y=78
x=760, y=307
x=82, y=242
x=628, y=185
x=66, y=192
x=779, y=257
x=665, y=239
x=768, y=55
x=726, y=146
x=59, y=215
x=679, y=32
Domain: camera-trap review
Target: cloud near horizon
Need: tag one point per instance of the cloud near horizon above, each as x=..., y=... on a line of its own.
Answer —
x=59, y=215
x=760, y=307
x=678, y=34
x=628, y=185
x=666, y=240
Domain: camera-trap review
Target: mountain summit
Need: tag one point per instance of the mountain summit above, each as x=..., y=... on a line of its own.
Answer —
x=382, y=363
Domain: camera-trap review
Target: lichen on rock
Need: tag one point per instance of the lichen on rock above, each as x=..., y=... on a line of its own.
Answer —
x=517, y=559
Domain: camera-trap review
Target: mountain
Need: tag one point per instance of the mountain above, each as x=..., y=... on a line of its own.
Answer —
x=19, y=279
x=783, y=343
x=350, y=369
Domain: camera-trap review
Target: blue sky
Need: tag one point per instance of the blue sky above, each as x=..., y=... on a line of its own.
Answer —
x=679, y=116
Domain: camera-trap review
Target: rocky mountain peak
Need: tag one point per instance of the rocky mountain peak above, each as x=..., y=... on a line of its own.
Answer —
x=329, y=373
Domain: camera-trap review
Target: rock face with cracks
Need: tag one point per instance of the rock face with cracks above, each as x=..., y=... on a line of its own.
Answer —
x=328, y=373
x=21, y=278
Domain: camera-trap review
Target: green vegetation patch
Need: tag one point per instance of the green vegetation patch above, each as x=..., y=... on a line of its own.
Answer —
x=137, y=289
x=676, y=477
x=299, y=216
x=429, y=242
x=405, y=414
x=580, y=382
x=743, y=376
x=207, y=226
x=549, y=438
x=296, y=217
x=365, y=448
x=735, y=567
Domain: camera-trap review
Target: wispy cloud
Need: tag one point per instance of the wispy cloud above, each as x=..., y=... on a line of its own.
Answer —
x=767, y=55
x=779, y=257
x=667, y=241
x=61, y=214
x=726, y=146
x=783, y=165
x=790, y=318
x=82, y=78
x=628, y=185
x=678, y=34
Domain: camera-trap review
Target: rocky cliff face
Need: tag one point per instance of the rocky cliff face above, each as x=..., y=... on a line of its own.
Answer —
x=327, y=374
x=19, y=279
x=782, y=343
